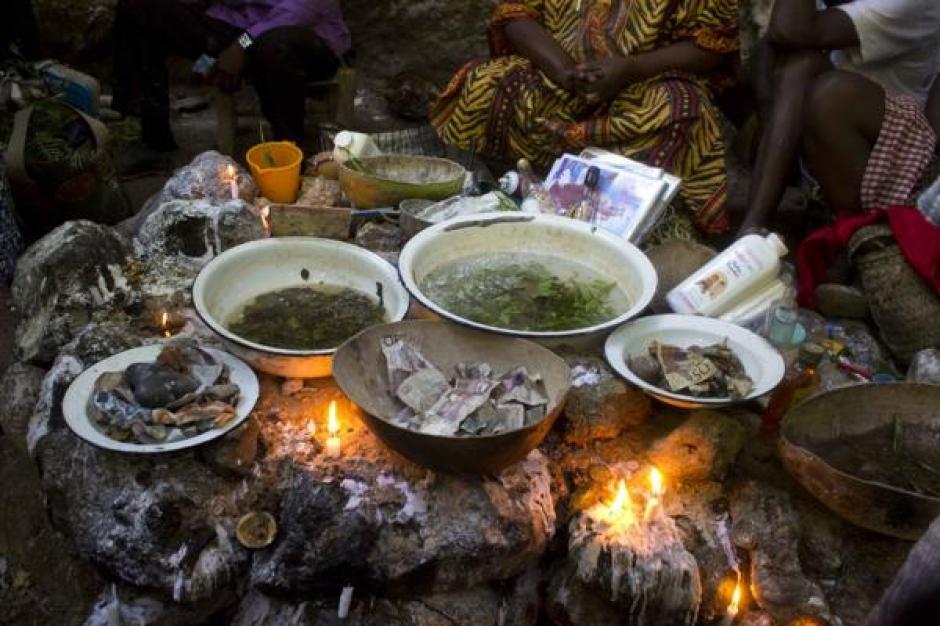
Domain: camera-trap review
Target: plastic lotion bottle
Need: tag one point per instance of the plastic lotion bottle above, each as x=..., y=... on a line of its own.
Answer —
x=743, y=269
x=350, y=145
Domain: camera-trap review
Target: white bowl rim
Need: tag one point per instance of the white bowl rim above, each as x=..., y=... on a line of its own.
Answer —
x=510, y=217
x=218, y=328
x=614, y=351
x=75, y=401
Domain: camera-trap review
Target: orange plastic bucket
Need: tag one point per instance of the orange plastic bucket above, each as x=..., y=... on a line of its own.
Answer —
x=275, y=166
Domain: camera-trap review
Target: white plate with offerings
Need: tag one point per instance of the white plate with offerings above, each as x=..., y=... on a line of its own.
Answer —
x=757, y=362
x=160, y=398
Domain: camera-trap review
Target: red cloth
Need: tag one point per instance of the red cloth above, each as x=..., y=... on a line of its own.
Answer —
x=918, y=239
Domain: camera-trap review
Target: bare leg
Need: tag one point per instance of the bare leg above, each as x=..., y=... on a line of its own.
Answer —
x=844, y=114
x=794, y=73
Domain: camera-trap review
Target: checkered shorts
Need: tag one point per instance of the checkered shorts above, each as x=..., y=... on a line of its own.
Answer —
x=903, y=152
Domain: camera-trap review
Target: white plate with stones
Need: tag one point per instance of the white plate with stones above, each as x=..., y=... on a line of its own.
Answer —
x=79, y=394
x=761, y=361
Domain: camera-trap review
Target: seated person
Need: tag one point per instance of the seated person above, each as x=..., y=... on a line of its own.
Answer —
x=633, y=77
x=863, y=115
x=279, y=45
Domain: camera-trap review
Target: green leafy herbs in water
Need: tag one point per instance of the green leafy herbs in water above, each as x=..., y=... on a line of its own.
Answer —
x=521, y=296
x=306, y=318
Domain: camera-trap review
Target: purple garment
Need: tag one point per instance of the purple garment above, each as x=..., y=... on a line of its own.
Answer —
x=256, y=17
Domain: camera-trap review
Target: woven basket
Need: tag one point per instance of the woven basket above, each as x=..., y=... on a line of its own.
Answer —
x=904, y=307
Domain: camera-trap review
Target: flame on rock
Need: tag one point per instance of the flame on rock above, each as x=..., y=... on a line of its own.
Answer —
x=619, y=515
x=332, y=423
x=735, y=605
x=622, y=499
x=656, y=483
x=230, y=171
x=165, y=324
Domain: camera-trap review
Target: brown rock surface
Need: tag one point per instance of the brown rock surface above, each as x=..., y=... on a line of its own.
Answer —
x=704, y=447
x=601, y=406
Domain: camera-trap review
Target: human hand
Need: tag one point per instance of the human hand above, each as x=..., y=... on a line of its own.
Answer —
x=600, y=81
x=565, y=77
x=227, y=72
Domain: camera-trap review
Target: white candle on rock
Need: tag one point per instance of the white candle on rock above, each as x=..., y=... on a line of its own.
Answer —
x=656, y=493
x=232, y=180
x=332, y=425
x=734, y=607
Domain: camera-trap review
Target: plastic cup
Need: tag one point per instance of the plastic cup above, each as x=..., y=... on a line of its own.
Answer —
x=275, y=166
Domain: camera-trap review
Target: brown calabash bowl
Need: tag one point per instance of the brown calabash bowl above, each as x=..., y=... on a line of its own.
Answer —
x=359, y=370
x=856, y=410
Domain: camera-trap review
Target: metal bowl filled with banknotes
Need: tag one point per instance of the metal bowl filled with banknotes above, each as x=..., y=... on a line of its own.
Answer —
x=694, y=362
x=450, y=398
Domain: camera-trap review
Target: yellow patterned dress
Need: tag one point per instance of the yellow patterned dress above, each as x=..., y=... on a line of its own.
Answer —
x=668, y=121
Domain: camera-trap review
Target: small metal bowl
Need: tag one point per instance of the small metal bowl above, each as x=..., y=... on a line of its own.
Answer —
x=359, y=370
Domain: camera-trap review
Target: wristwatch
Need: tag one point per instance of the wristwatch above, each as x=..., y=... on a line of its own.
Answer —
x=245, y=41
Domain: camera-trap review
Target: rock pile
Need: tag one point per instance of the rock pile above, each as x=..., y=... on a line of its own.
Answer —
x=416, y=547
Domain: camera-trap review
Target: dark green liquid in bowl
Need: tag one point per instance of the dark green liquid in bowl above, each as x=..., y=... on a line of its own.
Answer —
x=306, y=318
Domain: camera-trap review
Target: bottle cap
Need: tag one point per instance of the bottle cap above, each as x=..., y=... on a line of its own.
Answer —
x=811, y=353
x=509, y=183
x=778, y=245
x=592, y=178
x=343, y=139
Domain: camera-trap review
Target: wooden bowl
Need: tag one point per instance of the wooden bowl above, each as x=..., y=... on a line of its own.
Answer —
x=387, y=180
x=359, y=370
x=855, y=410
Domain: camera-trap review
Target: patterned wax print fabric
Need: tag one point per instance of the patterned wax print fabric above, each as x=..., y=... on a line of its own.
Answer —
x=503, y=107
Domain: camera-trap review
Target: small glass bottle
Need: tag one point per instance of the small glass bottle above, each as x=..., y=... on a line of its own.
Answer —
x=586, y=209
x=800, y=382
x=531, y=190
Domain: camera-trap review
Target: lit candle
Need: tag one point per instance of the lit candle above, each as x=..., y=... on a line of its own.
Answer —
x=266, y=220
x=732, y=612
x=332, y=425
x=656, y=493
x=165, y=326
x=232, y=180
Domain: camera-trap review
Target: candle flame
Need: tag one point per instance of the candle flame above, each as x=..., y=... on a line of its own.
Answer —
x=230, y=170
x=656, y=483
x=163, y=320
x=332, y=423
x=164, y=324
x=266, y=219
x=621, y=501
x=735, y=605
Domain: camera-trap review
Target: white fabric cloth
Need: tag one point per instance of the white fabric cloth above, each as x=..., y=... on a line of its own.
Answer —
x=899, y=44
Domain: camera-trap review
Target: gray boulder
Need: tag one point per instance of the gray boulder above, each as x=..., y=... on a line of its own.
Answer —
x=767, y=526
x=61, y=281
x=196, y=229
x=154, y=522
x=445, y=532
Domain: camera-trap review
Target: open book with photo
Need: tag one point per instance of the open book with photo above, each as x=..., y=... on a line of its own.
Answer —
x=656, y=187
